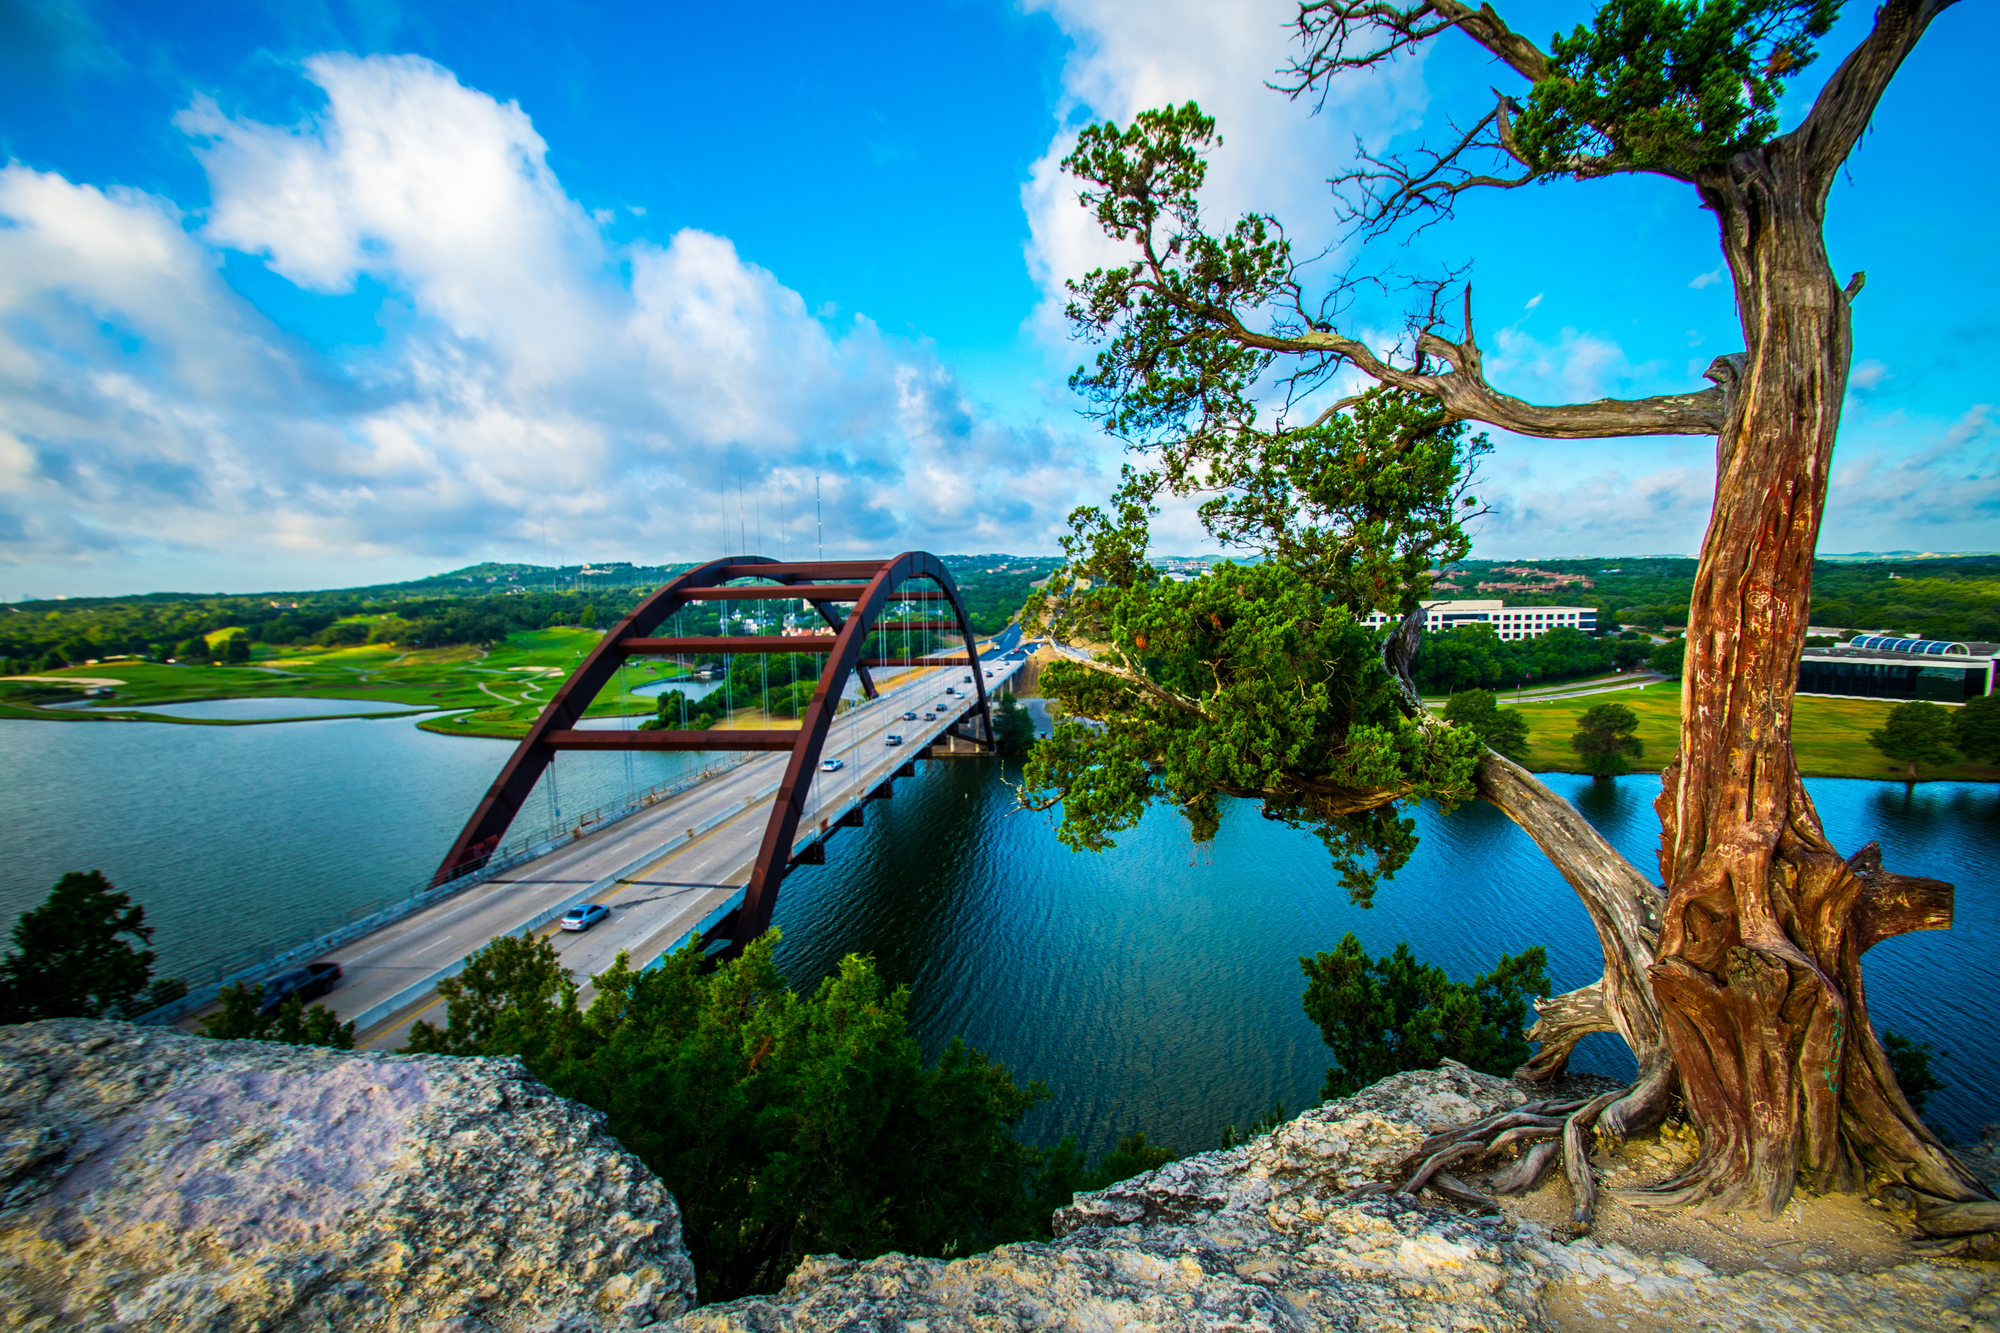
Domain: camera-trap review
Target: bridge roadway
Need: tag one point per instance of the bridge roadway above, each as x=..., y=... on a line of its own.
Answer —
x=666, y=872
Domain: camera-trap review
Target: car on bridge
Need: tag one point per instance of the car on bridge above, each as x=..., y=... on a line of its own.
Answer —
x=584, y=915
x=930, y=717
x=832, y=765
x=892, y=739
x=909, y=717
x=951, y=689
x=308, y=982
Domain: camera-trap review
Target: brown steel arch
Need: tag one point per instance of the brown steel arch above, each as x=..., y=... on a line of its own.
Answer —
x=865, y=587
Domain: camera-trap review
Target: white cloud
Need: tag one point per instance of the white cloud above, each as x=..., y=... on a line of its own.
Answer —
x=537, y=372
x=1709, y=279
x=1534, y=301
x=1868, y=374
x=1899, y=484
x=1577, y=367
x=1276, y=156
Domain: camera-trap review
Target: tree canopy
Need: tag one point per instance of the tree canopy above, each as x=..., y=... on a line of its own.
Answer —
x=1916, y=733
x=785, y=1124
x=77, y=956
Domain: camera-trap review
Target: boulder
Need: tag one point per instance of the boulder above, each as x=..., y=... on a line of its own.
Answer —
x=150, y=1179
x=1257, y=1238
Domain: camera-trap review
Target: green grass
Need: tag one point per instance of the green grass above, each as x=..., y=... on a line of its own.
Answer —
x=1829, y=736
x=495, y=698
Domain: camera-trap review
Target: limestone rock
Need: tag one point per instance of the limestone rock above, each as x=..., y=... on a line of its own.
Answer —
x=150, y=1179
x=1253, y=1239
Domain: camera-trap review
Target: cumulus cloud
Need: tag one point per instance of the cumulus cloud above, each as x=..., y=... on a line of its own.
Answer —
x=534, y=377
x=1276, y=155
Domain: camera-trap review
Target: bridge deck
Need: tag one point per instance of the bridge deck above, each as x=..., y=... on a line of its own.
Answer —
x=665, y=872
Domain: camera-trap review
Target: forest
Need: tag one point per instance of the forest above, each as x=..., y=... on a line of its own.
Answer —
x=1954, y=597
x=481, y=604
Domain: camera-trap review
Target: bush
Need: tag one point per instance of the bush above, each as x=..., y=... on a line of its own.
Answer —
x=1910, y=1061
x=785, y=1124
x=1382, y=1016
x=291, y=1023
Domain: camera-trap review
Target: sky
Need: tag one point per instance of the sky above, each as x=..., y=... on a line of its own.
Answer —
x=327, y=292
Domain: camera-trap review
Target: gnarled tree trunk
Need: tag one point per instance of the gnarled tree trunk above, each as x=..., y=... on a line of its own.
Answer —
x=1758, y=970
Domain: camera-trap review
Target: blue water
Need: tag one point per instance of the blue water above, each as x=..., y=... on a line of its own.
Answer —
x=261, y=710
x=1153, y=986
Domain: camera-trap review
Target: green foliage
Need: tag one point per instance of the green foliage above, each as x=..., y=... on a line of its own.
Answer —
x=1382, y=1016
x=1263, y=1124
x=1132, y=1157
x=785, y=1124
x=71, y=957
x=1013, y=725
x=1476, y=657
x=1674, y=86
x=1260, y=680
x=1503, y=729
x=1669, y=658
x=1910, y=1061
x=1917, y=733
x=291, y=1022
x=1975, y=729
x=1604, y=740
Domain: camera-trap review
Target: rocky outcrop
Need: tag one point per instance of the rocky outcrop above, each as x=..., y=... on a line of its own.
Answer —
x=1257, y=1238
x=152, y=1180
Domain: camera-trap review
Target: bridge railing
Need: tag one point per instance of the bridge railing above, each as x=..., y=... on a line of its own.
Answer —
x=257, y=961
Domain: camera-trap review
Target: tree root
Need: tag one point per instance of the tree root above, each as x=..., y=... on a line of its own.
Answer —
x=1553, y=1128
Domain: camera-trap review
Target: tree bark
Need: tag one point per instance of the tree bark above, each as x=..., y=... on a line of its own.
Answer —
x=1758, y=972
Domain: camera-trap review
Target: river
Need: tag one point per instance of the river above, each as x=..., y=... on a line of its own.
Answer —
x=1153, y=986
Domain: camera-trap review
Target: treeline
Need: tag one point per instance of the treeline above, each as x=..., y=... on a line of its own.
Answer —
x=1954, y=598
x=1476, y=657
x=43, y=636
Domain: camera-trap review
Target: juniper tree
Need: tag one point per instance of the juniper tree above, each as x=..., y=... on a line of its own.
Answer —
x=1738, y=983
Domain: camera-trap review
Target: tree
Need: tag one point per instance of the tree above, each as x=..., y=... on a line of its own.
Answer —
x=1013, y=725
x=71, y=957
x=1741, y=988
x=1669, y=658
x=786, y=1124
x=1916, y=733
x=191, y=650
x=1504, y=730
x=1382, y=1016
x=1975, y=729
x=1604, y=740
x=291, y=1022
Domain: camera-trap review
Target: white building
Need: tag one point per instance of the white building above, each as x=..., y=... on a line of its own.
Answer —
x=1509, y=622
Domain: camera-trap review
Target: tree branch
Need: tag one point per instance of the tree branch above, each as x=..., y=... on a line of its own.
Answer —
x=1847, y=103
x=1465, y=393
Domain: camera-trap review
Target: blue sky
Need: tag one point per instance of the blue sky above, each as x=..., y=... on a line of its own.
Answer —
x=299, y=294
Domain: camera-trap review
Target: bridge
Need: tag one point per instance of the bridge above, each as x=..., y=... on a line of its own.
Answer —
x=707, y=862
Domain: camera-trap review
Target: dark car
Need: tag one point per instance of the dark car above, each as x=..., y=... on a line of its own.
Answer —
x=909, y=717
x=308, y=982
x=584, y=915
x=930, y=717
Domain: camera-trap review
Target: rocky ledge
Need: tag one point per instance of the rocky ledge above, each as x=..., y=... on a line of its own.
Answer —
x=1254, y=1239
x=152, y=1180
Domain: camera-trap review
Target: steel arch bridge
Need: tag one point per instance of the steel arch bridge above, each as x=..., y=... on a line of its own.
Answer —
x=849, y=595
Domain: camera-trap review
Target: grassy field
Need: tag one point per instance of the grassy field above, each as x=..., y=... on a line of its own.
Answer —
x=1829, y=736
x=495, y=693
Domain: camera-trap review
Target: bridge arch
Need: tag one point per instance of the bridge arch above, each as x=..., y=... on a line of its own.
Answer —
x=849, y=595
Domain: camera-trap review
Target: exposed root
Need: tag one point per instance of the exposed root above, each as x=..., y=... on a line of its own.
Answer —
x=1553, y=1128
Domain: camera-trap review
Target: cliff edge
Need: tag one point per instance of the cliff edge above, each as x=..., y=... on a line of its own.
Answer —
x=150, y=1179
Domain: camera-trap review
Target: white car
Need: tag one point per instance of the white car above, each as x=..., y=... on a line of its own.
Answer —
x=893, y=739
x=832, y=765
